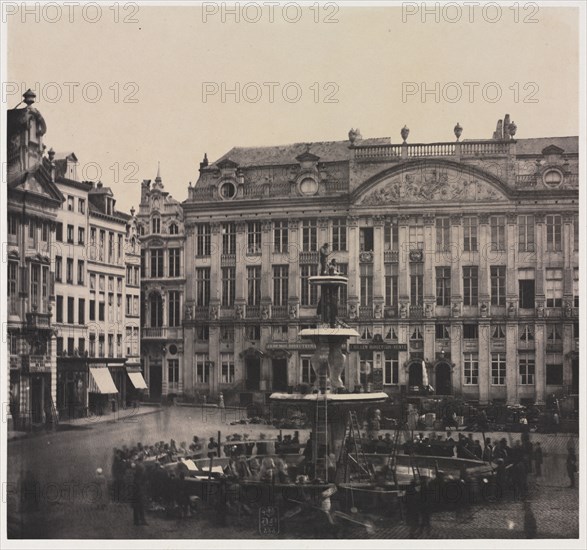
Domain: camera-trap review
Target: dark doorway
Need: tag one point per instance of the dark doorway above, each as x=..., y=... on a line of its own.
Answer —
x=252, y=373
x=415, y=374
x=37, y=399
x=575, y=376
x=155, y=380
x=443, y=379
x=280, y=374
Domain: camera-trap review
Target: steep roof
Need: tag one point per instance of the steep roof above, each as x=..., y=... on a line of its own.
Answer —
x=534, y=146
x=328, y=151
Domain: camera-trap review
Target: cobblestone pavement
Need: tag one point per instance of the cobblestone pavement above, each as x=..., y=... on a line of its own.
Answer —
x=65, y=462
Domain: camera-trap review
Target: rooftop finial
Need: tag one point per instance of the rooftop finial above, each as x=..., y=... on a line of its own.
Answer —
x=158, y=178
x=29, y=97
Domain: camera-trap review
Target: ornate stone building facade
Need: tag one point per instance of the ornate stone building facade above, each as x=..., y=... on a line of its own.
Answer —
x=462, y=259
x=161, y=232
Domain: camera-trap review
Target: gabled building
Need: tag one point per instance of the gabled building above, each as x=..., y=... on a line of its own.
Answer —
x=160, y=223
x=33, y=201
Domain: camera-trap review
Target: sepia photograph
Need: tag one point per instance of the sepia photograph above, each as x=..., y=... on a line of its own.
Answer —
x=305, y=273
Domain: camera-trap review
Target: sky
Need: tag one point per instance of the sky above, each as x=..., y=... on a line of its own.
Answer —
x=307, y=74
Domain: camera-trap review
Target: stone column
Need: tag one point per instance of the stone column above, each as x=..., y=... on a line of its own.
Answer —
x=511, y=278
x=322, y=234
x=485, y=253
x=214, y=356
x=540, y=251
x=378, y=259
x=512, y=378
x=215, y=271
x=568, y=243
x=353, y=267
x=295, y=242
x=456, y=356
x=484, y=362
x=456, y=275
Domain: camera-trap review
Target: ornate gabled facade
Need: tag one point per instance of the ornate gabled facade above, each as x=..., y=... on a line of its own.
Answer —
x=160, y=223
x=33, y=200
x=462, y=260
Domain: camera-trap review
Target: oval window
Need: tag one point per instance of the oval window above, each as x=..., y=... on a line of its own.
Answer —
x=552, y=178
x=227, y=190
x=308, y=186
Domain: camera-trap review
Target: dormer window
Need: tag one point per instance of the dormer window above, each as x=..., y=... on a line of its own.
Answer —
x=227, y=190
x=109, y=206
x=173, y=229
x=156, y=226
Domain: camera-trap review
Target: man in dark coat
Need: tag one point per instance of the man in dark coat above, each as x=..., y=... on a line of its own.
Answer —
x=139, y=494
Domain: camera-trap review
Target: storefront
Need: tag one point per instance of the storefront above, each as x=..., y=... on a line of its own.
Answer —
x=137, y=388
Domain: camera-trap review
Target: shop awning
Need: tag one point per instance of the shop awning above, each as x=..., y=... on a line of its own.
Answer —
x=137, y=380
x=101, y=381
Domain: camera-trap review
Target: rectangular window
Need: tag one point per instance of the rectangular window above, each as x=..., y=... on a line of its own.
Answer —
x=470, y=331
x=228, y=286
x=70, y=308
x=366, y=332
x=443, y=283
x=228, y=238
x=526, y=333
x=416, y=237
x=254, y=238
x=80, y=272
x=92, y=313
x=69, y=270
x=70, y=234
x=526, y=288
x=12, y=225
x=92, y=350
x=59, y=232
x=470, y=233
x=202, y=368
x=203, y=239
x=129, y=305
x=442, y=332
x=156, y=226
x=101, y=245
x=280, y=236
x=110, y=247
x=81, y=345
x=58, y=268
x=12, y=281
x=70, y=346
x=309, y=236
x=554, y=371
x=366, y=239
x=45, y=232
x=443, y=234
x=202, y=286
x=339, y=234
x=416, y=284
x=111, y=345
x=553, y=287
x=390, y=333
x=202, y=333
x=391, y=285
x=498, y=364
x=280, y=285
x=253, y=332
x=526, y=240
x=308, y=375
x=471, y=368
x=35, y=281
x=498, y=332
x=59, y=309
x=309, y=292
x=101, y=350
x=576, y=233
x=157, y=262
x=470, y=286
x=59, y=345
x=391, y=237
x=343, y=269
x=366, y=284
x=554, y=242
x=254, y=285
x=173, y=309
x=227, y=334
x=70, y=203
x=576, y=287
x=174, y=262
x=497, y=285
x=81, y=311
x=365, y=365
x=391, y=368
x=81, y=206
x=173, y=373
x=119, y=247
x=227, y=368
x=526, y=369
x=497, y=233
x=81, y=235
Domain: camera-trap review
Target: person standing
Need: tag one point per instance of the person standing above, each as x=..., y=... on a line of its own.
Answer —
x=538, y=459
x=571, y=466
x=139, y=494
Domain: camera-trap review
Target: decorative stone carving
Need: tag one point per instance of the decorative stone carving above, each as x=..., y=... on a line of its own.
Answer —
x=189, y=312
x=323, y=223
x=215, y=228
x=568, y=308
x=293, y=224
x=512, y=218
x=429, y=219
x=540, y=309
x=241, y=227
x=432, y=185
x=379, y=221
x=265, y=313
x=352, y=311
x=214, y=313
x=456, y=309
x=511, y=309
x=403, y=219
x=484, y=218
x=539, y=217
x=416, y=256
x=239, y=312
x=267, y=226
x=456, y=219
x=483, y=309
x=293, y=311
x=353, y=221
x=366, y=257
x=403, y=311
x=378, y=311
x=428, y=311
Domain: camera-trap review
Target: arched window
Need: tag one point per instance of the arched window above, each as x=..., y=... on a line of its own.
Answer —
x=156, y=225
x=156, y=307
x=173, y=229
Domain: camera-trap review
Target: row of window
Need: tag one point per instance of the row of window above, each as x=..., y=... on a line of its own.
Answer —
x=156, y=227
x=35, y=228
x=81, y=273
x=156, y=262
x=553, y=286
x=309, y=233
x=70, y=234
x=155, y=305
x=34, y=281
x=101, y=346
x=69, y=204
x=526, y=369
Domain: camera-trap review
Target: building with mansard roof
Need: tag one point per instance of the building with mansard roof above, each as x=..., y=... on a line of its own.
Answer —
x=461, y=257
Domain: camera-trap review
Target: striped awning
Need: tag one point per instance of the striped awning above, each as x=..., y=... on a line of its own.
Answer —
x=101, y=381
x=137, y=380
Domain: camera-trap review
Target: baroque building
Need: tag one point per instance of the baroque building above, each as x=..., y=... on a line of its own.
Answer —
x=462, y=259
x=162, y=235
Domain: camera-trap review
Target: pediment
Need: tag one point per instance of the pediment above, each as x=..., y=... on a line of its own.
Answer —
x=430, y=183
